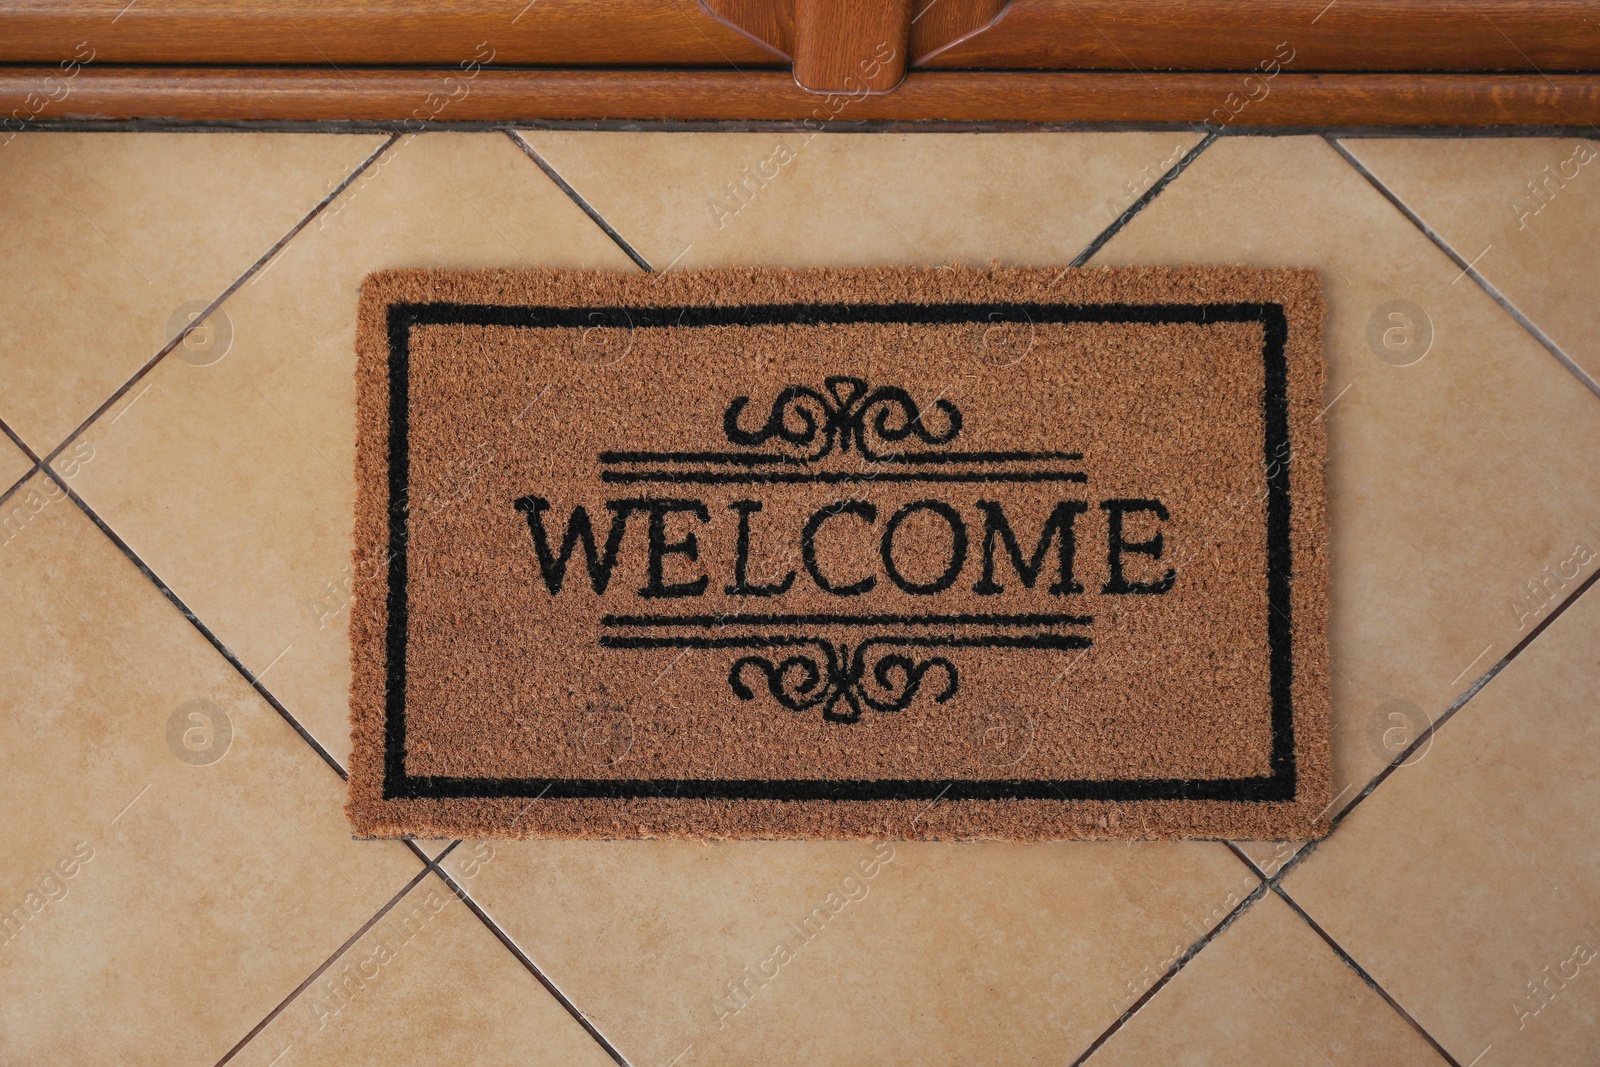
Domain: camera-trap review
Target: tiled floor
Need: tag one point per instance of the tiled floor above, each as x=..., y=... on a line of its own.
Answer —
x=180, y=882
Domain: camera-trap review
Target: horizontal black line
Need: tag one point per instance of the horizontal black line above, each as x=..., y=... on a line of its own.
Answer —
x=793, y=789
x=758, y=459
x=748, y=459
x=834, y=477
x=978, y=457
x=569, y=317
x=710, y=621
x=1052, y=641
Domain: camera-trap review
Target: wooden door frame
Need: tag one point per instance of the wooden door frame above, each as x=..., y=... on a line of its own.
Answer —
x=1212, y=63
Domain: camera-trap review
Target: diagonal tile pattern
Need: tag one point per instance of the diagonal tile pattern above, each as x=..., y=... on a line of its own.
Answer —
x=1468, y=884
x=426, y=983
x=808, y=199
x=1457, y=482
x=1521, y=210
x=913, y=952
x=165, y=829
x=1462, y=502
x=252, y=456
x=14, y=464
x=131, y=232
x=1267, y=991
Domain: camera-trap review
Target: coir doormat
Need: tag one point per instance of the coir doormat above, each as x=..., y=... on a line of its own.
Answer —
x=840, y=553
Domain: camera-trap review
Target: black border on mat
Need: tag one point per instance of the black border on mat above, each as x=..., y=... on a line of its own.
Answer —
x=1279, y=785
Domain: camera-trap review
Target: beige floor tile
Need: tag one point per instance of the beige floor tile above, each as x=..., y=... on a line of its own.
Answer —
x=1469, y=884
x=828, y=199
x=14, y=463
x=176, y=857
x=56, y=1031
x=109, y=235
x=847, y=952
x=428, y=984
x=233, y=480
x=1267, y=991
x=1457, y=484
x=1525, y=211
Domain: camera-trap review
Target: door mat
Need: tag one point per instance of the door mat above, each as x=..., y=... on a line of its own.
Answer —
x=840, y=553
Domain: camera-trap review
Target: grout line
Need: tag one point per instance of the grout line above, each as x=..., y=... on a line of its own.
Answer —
x=1193, y=950
x=1144, y=198
x=1426, y=735
x=1244, y=858
x=194, y=324
x=588, y=209
x=194, y=620
x=1361, y=972
x=522, y=957
x=329, y=962
x=17, y=440
x=129, y=405
x=1295, y=860
x=1467, y=268
x=411, y=843
x=1471, y=665
x=1339, y=949
x=29, y=473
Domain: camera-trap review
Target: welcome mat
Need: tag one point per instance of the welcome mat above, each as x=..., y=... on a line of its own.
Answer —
x=840, y=553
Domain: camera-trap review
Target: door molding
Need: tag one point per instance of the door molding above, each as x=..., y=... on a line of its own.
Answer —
x=1221, y=63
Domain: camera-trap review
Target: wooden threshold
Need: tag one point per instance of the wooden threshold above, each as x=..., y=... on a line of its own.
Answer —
x=411, y=98
x=1198, y=35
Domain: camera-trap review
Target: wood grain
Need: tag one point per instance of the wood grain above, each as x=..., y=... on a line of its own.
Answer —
x=937, y=25
x=410, y=98
x=1370, y=35
x=598, y=33
x=769, y=22
x=851, y=45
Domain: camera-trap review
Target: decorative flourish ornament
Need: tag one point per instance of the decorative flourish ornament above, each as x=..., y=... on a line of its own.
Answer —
x=799, y=682
x=849, y=415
